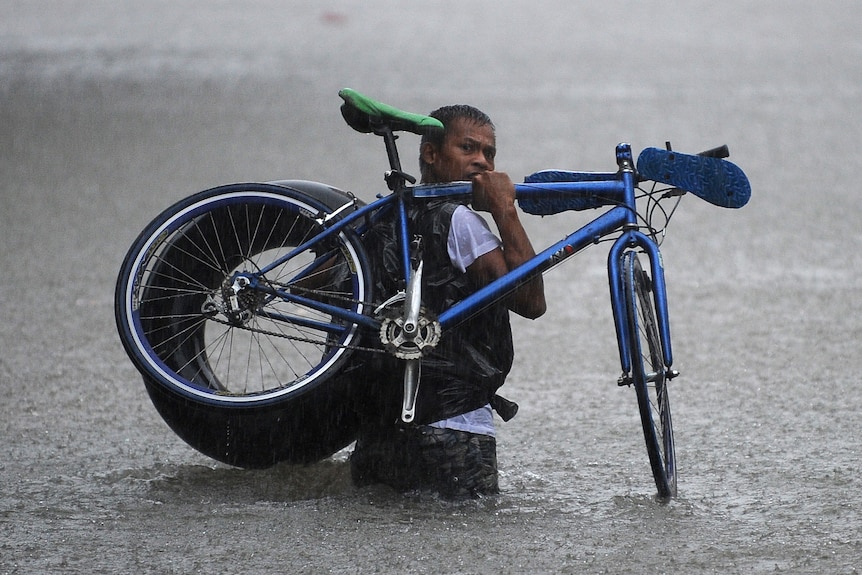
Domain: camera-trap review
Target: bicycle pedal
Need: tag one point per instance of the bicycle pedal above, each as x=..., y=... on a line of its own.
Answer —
x=624, y=380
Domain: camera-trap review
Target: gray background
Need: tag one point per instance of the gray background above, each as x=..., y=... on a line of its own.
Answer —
x=112, y=110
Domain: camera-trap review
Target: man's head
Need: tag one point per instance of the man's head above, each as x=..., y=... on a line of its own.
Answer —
x=465, y=147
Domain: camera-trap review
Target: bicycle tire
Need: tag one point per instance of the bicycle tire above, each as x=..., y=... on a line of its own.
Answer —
x=649, y=375
x=260, y=387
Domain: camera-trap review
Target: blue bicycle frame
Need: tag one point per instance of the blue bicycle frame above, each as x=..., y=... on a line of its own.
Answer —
x=613, y=189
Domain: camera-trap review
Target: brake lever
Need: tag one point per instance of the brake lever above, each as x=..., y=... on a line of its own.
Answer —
x=673, y=192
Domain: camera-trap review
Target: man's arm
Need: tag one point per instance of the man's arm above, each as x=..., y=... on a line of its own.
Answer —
x=494, y=192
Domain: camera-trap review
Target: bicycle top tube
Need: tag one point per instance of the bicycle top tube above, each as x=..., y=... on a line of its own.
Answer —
x=562, y=191
x=555, y=186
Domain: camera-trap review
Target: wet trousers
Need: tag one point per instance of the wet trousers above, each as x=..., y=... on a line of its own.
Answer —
x=451, y=462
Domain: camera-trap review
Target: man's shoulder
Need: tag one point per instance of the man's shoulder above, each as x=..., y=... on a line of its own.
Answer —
x=435, y=212
x=443, y=205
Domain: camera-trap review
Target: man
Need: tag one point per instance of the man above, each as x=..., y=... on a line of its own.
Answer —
x=453, y=448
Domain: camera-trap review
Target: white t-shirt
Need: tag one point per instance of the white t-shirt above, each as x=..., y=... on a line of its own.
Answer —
x=469, y=238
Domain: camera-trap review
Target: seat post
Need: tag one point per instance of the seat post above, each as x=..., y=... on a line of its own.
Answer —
x=389, y=138
x=395, y=177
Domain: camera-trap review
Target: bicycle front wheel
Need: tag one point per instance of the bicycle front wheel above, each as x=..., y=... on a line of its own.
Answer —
x=243, y=375
x=649, y=374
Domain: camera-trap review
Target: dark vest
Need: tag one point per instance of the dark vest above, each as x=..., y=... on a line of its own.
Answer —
x=472, y=359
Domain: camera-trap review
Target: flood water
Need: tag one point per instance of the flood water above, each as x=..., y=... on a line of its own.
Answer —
x=112, y=110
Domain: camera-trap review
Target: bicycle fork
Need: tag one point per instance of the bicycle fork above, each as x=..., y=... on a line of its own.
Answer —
x=630, y=240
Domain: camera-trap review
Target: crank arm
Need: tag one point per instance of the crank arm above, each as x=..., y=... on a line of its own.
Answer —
x=410, y=327
x=413, y=303
x=412, y=372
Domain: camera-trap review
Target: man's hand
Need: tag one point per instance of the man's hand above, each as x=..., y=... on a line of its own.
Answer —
x=494, y=192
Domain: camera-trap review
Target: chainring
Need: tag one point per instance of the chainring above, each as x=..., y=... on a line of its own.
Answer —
x=396, y=342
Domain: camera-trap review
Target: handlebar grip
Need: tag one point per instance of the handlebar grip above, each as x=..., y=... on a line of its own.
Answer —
x=719, y=152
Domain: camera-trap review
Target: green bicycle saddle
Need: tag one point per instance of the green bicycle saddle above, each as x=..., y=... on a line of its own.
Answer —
x=364, y=114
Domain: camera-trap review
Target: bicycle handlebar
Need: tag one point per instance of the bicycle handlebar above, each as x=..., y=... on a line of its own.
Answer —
x=719, y=152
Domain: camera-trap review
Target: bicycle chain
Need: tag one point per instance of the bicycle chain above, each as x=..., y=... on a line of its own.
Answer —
x=296, y=337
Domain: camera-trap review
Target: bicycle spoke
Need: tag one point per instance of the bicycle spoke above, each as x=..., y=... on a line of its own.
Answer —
x=220, y=336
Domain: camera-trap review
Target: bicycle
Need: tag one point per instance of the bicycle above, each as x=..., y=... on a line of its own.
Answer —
x=250, y=311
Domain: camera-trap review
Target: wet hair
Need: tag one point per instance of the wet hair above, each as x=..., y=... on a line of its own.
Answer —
x=447, y=115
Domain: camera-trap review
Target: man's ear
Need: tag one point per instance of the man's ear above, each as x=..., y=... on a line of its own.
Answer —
x=428, y=152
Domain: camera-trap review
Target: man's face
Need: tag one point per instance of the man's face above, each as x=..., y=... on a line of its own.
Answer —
x=468, y=149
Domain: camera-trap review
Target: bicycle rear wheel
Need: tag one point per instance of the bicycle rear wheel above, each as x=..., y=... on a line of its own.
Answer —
x=248, y=378
x=649, y=374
